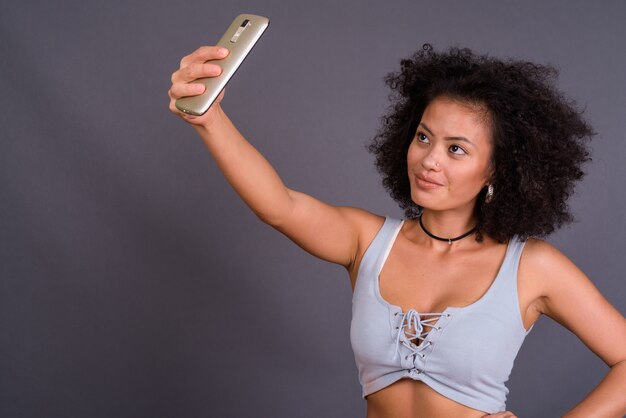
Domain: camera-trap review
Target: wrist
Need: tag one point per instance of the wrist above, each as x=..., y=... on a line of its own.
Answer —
x=213, y=121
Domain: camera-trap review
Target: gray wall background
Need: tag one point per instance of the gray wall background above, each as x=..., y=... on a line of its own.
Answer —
x=135, y=283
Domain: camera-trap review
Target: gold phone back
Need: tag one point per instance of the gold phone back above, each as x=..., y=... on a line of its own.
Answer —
x=239, y=39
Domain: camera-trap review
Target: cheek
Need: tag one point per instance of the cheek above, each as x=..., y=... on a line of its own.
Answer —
x=413, y=156
x=470, y=182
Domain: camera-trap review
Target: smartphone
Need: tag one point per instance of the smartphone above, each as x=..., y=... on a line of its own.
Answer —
x=239, y=39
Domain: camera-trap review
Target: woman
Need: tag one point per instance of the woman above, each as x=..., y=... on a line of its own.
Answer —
x=482, y=155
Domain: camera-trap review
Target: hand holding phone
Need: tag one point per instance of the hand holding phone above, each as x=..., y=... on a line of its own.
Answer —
x=192, y=67
x=212, y=67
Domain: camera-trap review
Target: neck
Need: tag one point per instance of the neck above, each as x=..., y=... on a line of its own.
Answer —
x=448, y=224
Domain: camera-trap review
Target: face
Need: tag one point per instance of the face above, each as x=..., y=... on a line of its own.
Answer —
x=449, y=157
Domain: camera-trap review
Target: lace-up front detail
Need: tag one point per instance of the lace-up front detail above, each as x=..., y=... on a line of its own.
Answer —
x=413, y=327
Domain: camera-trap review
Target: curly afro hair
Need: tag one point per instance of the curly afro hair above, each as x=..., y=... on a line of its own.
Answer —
x=539, y=137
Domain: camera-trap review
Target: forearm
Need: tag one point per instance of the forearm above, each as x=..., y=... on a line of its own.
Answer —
x=607, y=400
x=247, y=171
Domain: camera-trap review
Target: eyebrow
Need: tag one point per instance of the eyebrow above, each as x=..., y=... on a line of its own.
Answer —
x=449, y=138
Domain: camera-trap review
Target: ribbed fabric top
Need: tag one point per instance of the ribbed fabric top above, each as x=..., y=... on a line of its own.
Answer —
x=464, y=353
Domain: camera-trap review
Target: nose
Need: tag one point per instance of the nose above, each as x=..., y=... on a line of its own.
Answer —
x=431, y=161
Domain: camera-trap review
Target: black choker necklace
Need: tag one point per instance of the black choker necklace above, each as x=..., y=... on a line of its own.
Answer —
x=449, y=240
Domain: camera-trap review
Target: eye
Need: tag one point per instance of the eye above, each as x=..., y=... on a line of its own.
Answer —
x=422, y=138
x=455, y=149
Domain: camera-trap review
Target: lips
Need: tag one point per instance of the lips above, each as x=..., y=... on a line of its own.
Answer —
x=426, y=182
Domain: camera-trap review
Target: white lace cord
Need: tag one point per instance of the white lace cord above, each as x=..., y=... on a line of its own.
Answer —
x=411, y=319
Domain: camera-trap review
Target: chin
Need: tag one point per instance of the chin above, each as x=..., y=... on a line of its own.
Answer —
x=422, y=197
x=429, y=204
x=437, y=203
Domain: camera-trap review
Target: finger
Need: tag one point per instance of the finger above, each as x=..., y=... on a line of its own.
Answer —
x=204, y=53
x=507, y=414
x=179, y=90
x=186, y=116
x=176, y=111
x=195, y=71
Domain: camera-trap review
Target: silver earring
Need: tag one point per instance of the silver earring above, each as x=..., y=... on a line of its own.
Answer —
x=489, y=195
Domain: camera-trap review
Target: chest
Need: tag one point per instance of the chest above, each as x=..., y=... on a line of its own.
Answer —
x=430, y=282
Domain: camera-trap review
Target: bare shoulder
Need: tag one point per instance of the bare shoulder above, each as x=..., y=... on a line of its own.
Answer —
x=558, y=275
x=543, y=270
x=541, y=259
x=363, y=220
x=367, y=225
x=538, y=251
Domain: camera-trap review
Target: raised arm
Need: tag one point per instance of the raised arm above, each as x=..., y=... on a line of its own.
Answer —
x=328, y=232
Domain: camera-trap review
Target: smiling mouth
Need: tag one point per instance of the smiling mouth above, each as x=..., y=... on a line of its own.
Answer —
x=426, y=184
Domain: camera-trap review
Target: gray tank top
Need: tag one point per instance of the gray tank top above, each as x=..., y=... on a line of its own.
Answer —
x=464, y=353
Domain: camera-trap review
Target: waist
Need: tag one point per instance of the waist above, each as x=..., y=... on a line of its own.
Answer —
x=414, y=399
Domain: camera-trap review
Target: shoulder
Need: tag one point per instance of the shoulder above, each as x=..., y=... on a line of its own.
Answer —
x=539, y=263
x=540, y=256
x=367, y=225
x=542, y=259
x=361, y=217
x=551, y=274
